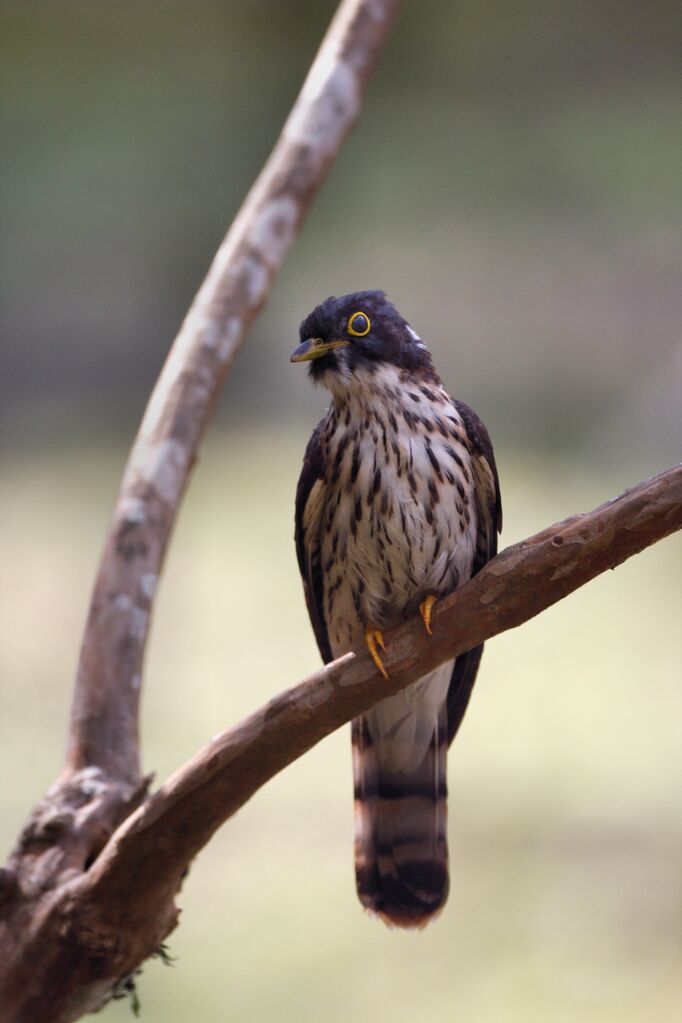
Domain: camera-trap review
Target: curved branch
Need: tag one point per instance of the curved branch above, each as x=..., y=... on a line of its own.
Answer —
x=61, y=954
x=71, y=927
x=144, y=860
x=104, y=719
x=98, y=927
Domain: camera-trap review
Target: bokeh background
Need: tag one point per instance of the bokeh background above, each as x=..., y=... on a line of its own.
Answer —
x=514, y=186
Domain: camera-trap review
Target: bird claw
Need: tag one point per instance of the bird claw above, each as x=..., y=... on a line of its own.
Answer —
x=374, y=638
x=425, y=609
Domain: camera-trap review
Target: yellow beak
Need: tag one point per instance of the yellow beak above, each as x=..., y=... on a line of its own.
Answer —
x=314, y=348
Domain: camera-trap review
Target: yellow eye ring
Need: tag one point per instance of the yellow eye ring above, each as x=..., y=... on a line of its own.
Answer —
x=363, y=324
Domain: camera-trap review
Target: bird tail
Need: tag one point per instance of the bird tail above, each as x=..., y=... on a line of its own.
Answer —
x=399, y=764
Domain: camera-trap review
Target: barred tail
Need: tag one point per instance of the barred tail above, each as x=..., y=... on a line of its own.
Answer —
x=401, y=856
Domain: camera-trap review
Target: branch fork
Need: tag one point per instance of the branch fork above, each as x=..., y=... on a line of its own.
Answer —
x=89, y=891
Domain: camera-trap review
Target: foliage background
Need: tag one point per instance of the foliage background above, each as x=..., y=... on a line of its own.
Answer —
x=513, y=185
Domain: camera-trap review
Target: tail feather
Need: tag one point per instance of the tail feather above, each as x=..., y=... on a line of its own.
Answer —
x=459, y=693
x=401, y=856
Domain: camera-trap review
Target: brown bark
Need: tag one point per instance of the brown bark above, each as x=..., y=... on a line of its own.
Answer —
x=100, y=783
x=99, y=926
x=104, y=720
x=81, y=903
x=525, y=579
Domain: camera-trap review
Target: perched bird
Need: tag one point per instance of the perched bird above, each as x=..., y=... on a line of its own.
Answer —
x=397, y=504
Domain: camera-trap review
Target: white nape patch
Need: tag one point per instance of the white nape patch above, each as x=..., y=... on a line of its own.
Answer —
x=415, y=337
x=402, y=727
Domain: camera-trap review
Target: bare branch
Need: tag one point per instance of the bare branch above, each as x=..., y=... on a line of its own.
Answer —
x=80, y=908
x=100, y=925
x=104, y=718
x=60, y=952
x=144, y=860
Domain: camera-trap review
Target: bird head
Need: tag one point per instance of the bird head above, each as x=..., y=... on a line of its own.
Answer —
x=361, y=331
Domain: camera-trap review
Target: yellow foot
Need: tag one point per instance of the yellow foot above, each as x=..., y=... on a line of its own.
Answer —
x=374, y=639
x=425, y=609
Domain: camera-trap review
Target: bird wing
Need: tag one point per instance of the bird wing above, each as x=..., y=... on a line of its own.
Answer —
x=486, y=486
x=488, y=506
x=311, y=495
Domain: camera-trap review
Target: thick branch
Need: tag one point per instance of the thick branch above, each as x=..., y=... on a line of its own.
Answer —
x=62, y=951
x=98, y=927
x=144, y=860
x=103, y=732
x=71, y=927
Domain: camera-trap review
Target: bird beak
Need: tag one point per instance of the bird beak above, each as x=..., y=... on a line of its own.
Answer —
x=314, y=348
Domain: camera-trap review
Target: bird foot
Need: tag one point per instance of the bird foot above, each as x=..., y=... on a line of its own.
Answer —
x=374, y=638
x=425, y=609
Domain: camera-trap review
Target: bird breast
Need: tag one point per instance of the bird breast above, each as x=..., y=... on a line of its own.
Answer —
x=398, y=521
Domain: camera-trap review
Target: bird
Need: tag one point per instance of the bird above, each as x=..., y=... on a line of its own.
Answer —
x=397, y=504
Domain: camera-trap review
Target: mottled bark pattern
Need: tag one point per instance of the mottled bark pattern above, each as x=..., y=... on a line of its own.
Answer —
x=66, y=940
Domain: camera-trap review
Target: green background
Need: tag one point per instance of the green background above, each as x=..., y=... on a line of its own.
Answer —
x=513, y=185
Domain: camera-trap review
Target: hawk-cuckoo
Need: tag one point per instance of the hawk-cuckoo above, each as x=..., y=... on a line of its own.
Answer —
x=398, y=503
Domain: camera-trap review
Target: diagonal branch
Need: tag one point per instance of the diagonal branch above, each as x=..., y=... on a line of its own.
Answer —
x=97, y=927
x=80, y=908
x=60, y=954
x=145, y=859
x=104, y=719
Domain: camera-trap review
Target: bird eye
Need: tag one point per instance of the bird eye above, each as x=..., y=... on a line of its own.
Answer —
x=359, y=325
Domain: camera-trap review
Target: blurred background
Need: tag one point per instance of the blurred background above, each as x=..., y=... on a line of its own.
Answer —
x=514, y=186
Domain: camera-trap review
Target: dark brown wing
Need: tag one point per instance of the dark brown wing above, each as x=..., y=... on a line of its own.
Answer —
x=310, y=502
x=486, y=486
x=488, y=506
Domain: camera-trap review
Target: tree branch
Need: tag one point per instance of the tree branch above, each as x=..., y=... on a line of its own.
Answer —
x=106, y=921
x=147, y=855
x=80, y=908
x=42, y=973
x=104, y=719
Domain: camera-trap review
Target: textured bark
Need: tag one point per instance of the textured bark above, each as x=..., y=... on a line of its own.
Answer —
x=59, y=956
x=89, y=891
x=101, y=924
x=178, y=820
x=104, y=720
